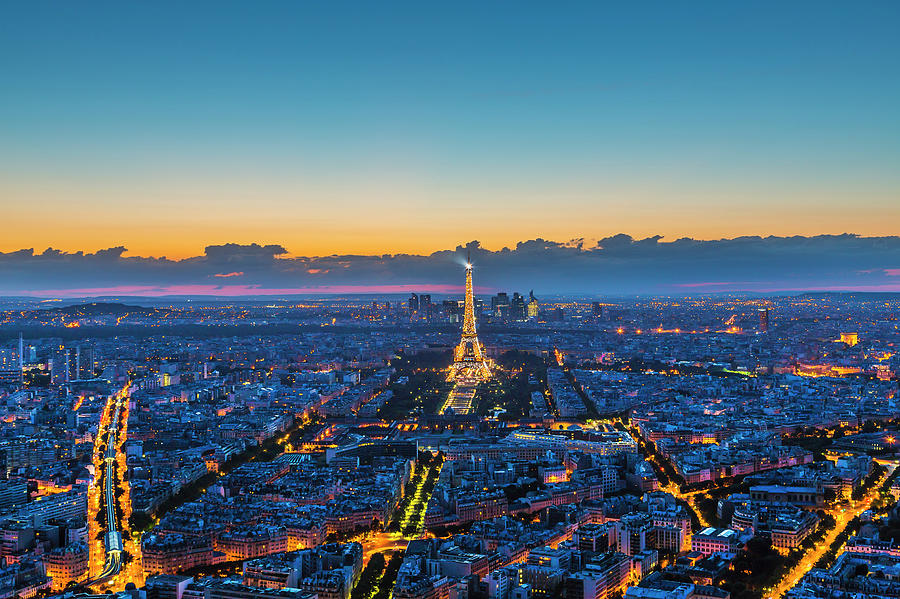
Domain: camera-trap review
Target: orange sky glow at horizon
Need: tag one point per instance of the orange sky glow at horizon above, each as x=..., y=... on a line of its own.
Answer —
x=165, y=229
x=302, y=246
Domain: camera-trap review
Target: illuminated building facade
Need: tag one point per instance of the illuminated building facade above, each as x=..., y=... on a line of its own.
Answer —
x=850, y=339
x=66, y=564
x=532, y=308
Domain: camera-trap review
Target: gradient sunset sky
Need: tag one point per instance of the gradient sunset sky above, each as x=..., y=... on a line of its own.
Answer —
x=377, y=127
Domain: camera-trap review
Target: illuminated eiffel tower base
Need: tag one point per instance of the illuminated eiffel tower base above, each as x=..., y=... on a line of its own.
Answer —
x=469, y=365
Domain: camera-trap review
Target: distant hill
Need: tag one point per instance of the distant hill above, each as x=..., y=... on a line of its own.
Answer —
x=100, y=309
x=855, y=295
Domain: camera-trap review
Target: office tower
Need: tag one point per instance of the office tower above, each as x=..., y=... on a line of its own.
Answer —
x=451, y=309
x=500, y=305
x=413, y=304
x=517, y=307
x=597, y=310
x=533, y=308
x=764, y=320
x=60, y=366
x=10, y=367
x=425, y=305
x=90, y=363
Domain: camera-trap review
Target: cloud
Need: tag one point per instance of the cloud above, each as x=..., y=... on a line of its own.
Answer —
x=616, y=265
x=244, y=290
x=233, y=252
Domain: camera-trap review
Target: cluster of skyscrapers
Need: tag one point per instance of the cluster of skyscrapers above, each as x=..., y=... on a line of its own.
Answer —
x=503, y=308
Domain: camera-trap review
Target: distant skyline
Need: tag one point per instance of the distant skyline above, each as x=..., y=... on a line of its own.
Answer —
x=615, y=266
x=372, y=128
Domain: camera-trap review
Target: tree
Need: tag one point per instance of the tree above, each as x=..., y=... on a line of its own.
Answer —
x=140, y=521
x=369, y=576
x=756, y=566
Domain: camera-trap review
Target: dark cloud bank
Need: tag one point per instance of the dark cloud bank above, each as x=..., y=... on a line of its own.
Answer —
x=618, y=265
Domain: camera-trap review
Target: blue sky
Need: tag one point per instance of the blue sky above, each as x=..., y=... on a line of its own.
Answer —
x=384, y=127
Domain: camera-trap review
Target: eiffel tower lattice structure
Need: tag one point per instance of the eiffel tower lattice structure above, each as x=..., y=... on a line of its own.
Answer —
x=469, y=363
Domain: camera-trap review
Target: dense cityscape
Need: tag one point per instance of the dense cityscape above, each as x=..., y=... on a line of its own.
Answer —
x=450, y=300
x=497, y=446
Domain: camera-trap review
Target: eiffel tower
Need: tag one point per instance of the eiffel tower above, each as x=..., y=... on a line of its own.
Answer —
x=468, y=359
